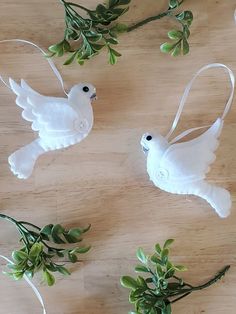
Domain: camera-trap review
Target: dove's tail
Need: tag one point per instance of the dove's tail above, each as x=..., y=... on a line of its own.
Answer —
x=217, y=197
x=23, y=160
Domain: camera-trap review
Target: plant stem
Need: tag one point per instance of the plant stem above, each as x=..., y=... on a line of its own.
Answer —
x=179, y=298
x=29, y=224
x=213, y=280
x=12, y=220
x=21, y=229
x=185, y=292
x=148, y=20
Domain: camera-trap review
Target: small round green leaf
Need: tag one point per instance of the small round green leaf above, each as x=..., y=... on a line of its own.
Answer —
x=129, y=282
x=141, y=256
x=48, y=278
x=141, y=269
x=175, y=34
x=167, y=47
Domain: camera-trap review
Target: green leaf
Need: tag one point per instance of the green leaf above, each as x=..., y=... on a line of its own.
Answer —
x=185, y=17
x=185, y=47
x=167, y=47
x=16, y=267
x=63, y=270
x=164, y=255
x=47, y=229
x=180, y=268
x=112, y=41
x=129, y=282
x=72, y=257
x=101, y=8
x=19, y=256
x=55, y=48
x=96, y=37
x=174, y=34
x=186, y=32
x=70, y=59
x=141, y=282
x=56, y=230
x=112, y=58
x=66, y=46
x=75, y=232
x=48, y=278
x=60, y=253
x=170, y=273
x=35, y=250
x=167, y=309
x=120, y=28
x=155, y=260
x=177, y=50
x=82, y=250
x=98, y=47
x=86, y=229
x=141, y=268
x=173, y=4
x=141, y=256
x=71, y=239
x=159, y=271
x=158, y=248
x=17, y=275
x=114, y=52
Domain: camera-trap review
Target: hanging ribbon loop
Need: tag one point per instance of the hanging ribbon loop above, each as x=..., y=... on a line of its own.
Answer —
x=50, y=62
x=186, y=92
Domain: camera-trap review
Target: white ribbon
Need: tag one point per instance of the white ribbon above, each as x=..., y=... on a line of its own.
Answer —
x=185, y=95
x=51, y=63
x=37, y=293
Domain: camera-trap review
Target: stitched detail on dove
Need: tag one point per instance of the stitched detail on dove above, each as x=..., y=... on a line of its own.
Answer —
x=181, y=167
x=60, y=122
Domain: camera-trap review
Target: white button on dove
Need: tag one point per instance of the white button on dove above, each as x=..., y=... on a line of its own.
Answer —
x=181, y=168
x=60, y=122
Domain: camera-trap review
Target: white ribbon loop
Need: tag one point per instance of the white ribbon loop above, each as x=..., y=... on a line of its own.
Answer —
x=37, y=293
x=185, y=95
x=50, y=62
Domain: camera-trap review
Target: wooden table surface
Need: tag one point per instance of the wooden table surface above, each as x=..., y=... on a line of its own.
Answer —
x=103, y=180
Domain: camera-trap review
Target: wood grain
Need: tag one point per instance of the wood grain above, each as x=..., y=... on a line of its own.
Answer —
x=103, y=180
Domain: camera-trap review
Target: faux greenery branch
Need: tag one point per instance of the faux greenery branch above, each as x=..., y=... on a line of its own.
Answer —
x=39, y=252
x=160, y=288
x=87, y=31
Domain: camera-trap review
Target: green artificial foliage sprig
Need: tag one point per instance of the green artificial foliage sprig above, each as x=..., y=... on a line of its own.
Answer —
x=87, y=31
x=38, y=253
x=160, y=287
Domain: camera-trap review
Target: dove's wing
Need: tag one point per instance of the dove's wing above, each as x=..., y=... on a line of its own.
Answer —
x=52, y=117
x=190, y=161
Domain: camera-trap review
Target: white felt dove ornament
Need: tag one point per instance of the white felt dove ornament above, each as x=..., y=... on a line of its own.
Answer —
x=181, y=167
x=60, y=122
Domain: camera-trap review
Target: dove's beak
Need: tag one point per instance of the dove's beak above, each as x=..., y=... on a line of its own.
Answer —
x=93, y=97
x=145, y=150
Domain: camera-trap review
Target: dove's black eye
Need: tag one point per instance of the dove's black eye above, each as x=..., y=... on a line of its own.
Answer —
x=149, y=138
x=85, y=89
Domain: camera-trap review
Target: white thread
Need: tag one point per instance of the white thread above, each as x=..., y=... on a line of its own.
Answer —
x=37, y=293
x=185, y=95
x=51, y=63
